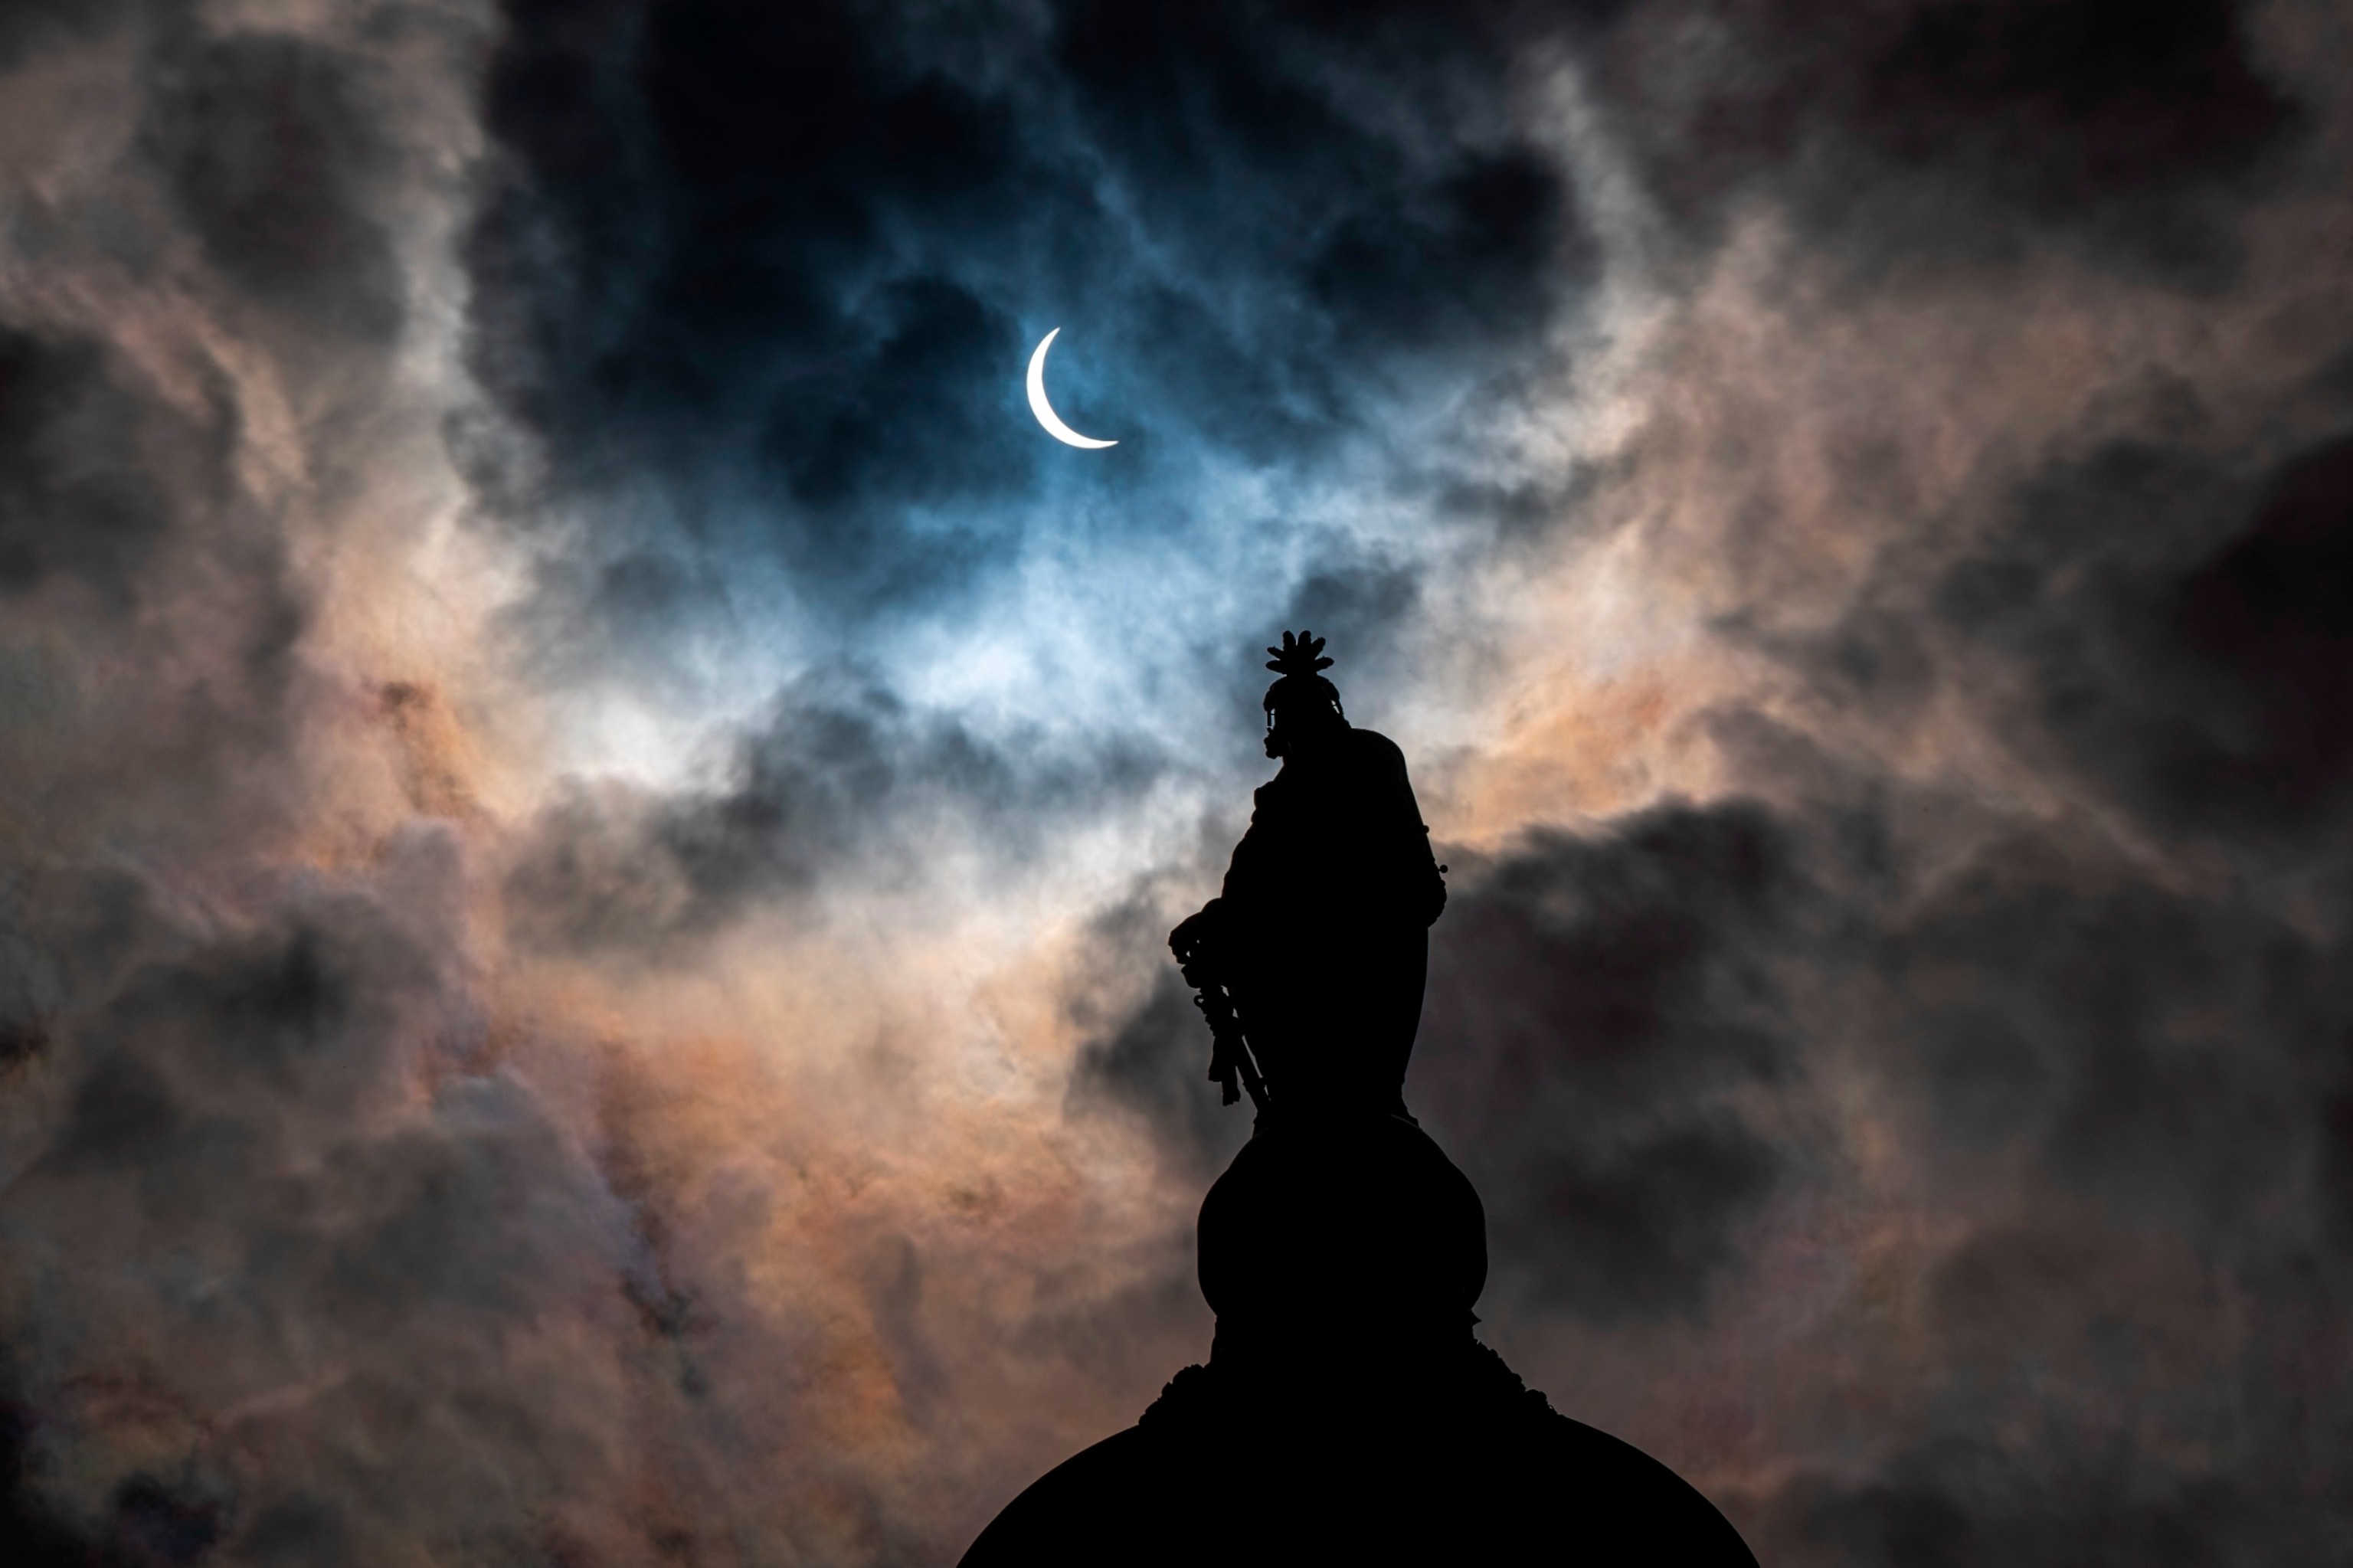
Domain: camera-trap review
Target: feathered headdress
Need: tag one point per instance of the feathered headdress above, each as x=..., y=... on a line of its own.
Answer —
x=1299, y=655
x=1297, y=661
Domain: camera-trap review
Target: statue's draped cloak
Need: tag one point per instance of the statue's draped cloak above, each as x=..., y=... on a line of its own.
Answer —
x=1324, y=922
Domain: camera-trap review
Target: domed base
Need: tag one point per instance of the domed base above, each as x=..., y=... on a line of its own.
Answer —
x=1346, y=1415
x=1329, y=1222
x=1470, y=1468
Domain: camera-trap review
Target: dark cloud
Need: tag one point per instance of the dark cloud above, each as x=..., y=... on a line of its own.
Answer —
x=30, y=1532
x=2182, y=621
x=1963, y=1502
x=149, y=1521
x=922, y=426
x=1152, y=1064
x=2159, y=1042
x=157, y=1521
x=2273, y=610
x=1479, y=261
x=274, y=156
x=30, y=27
x=335, y=1189
x=79, y=498
x=2134, y=1008
x=1593, y=1004
x=1360, y=604
x=2145, y=1437
x=1627, y=1034
x=2161, y=1053
x=1959, y=132
x=2086, y=99
x=713, y=190
x=24, y=1038
x=785, y=262
x=1222, y=113
x=300, y=1530
x=153, y=666
x=841, y=777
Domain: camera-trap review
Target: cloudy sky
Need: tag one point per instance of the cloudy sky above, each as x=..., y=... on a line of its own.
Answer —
x=588, y=807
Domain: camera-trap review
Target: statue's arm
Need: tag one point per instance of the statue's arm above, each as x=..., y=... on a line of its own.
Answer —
x=1249, y=878
x=1197, y=937
x=1250, y=875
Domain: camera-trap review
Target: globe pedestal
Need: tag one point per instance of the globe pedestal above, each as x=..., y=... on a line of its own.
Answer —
x=1346, y=1412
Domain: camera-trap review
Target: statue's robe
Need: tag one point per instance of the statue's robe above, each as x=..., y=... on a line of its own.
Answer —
x=1323, y=923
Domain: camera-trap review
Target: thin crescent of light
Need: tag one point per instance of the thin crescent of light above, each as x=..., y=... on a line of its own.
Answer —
x=1045, y=410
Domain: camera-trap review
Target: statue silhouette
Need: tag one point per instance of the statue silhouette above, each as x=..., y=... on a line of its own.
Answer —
x=1346, y=1412
x=1320, y=938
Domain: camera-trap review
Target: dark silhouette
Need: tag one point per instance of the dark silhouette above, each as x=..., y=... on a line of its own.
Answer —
x=1347, y=1413
x=1320, y=939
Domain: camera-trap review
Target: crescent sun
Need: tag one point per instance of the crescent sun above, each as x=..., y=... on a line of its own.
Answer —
x=1045, y=410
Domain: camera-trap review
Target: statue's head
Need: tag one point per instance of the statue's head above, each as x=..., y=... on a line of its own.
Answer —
x=1303, y=706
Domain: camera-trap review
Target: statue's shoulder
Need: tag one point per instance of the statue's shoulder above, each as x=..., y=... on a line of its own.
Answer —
x=1371, y=748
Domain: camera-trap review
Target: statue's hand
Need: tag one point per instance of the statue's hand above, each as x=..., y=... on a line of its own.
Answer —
x=1195, y=933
